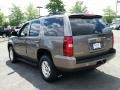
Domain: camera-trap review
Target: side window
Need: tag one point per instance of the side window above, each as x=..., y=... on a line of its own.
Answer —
x=35, y=28
x=24, y=30
x=53, y=26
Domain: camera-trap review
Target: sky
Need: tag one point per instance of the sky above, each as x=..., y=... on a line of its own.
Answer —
x=94, y=6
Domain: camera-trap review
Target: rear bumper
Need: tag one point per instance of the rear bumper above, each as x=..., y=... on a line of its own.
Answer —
x=71, y=63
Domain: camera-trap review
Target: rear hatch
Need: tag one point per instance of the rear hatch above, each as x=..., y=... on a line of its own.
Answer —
x=91, y=35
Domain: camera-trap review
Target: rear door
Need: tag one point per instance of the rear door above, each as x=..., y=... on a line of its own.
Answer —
x=33, y=40
x=91, y=35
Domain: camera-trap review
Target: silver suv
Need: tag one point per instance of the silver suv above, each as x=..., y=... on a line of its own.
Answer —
x=63, y=43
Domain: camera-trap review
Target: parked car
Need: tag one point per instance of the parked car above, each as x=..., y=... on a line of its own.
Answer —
x=1, y=31
x=17, y=28
x=63, y=43
x=115, y=25
x=5, y=32
x=9, y=30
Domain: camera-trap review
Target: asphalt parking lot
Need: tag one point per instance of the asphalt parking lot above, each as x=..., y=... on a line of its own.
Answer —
x=21, y=76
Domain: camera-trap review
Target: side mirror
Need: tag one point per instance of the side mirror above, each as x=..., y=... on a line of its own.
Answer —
x=14, y=33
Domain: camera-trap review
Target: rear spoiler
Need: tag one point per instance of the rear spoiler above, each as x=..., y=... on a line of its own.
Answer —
x=85, y=16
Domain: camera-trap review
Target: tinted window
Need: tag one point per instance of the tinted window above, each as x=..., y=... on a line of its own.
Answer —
x=35, y=28
x=87, y=26
x=24, y=30
x=53, y=26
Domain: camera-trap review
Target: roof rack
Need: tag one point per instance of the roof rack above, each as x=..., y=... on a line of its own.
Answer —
x=50, y=14
x=58, y=13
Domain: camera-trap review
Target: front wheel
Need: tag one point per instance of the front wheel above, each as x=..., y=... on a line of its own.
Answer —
x=47, y=69
x=12, y=55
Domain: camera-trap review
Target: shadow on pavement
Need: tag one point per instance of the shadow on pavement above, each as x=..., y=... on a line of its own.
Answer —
x=94, y=80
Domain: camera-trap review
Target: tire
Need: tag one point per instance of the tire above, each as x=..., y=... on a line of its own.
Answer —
x=12, y=55
x=47, y=69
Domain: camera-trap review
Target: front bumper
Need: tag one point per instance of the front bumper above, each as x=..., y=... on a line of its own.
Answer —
x=71, y=63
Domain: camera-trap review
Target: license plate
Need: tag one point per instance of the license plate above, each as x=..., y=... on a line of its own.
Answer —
x=96, y=45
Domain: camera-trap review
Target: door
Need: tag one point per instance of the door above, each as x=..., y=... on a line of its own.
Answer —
x=33, y=40
x=20, y=42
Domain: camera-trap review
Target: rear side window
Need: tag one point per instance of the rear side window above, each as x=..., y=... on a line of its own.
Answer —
x=53, y=26
x=35, y=28
x=84, y=26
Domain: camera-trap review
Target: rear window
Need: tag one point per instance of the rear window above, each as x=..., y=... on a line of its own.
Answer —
x=84, y=26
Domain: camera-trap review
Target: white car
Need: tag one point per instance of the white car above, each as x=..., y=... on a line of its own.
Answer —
x=17, y=28
x=115, y=25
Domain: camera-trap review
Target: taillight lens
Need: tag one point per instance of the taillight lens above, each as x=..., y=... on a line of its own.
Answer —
x=112, y=40
x=68, y=46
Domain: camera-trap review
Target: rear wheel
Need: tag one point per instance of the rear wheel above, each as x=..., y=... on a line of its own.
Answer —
x=12, y=56
x=47, y=68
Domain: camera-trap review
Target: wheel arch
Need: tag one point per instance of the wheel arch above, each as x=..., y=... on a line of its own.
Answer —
x=41, y=52
x=10, y=45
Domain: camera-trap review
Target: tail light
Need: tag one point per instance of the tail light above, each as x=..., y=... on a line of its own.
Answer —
x=68, y=46
x=112, y=39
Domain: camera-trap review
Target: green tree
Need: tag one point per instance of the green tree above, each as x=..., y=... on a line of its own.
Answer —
x=109, y=14
x=79, y=8
x=16, y=17
x=1, y=18
x=55, y=6
x=5, y=24
x=31, y=12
